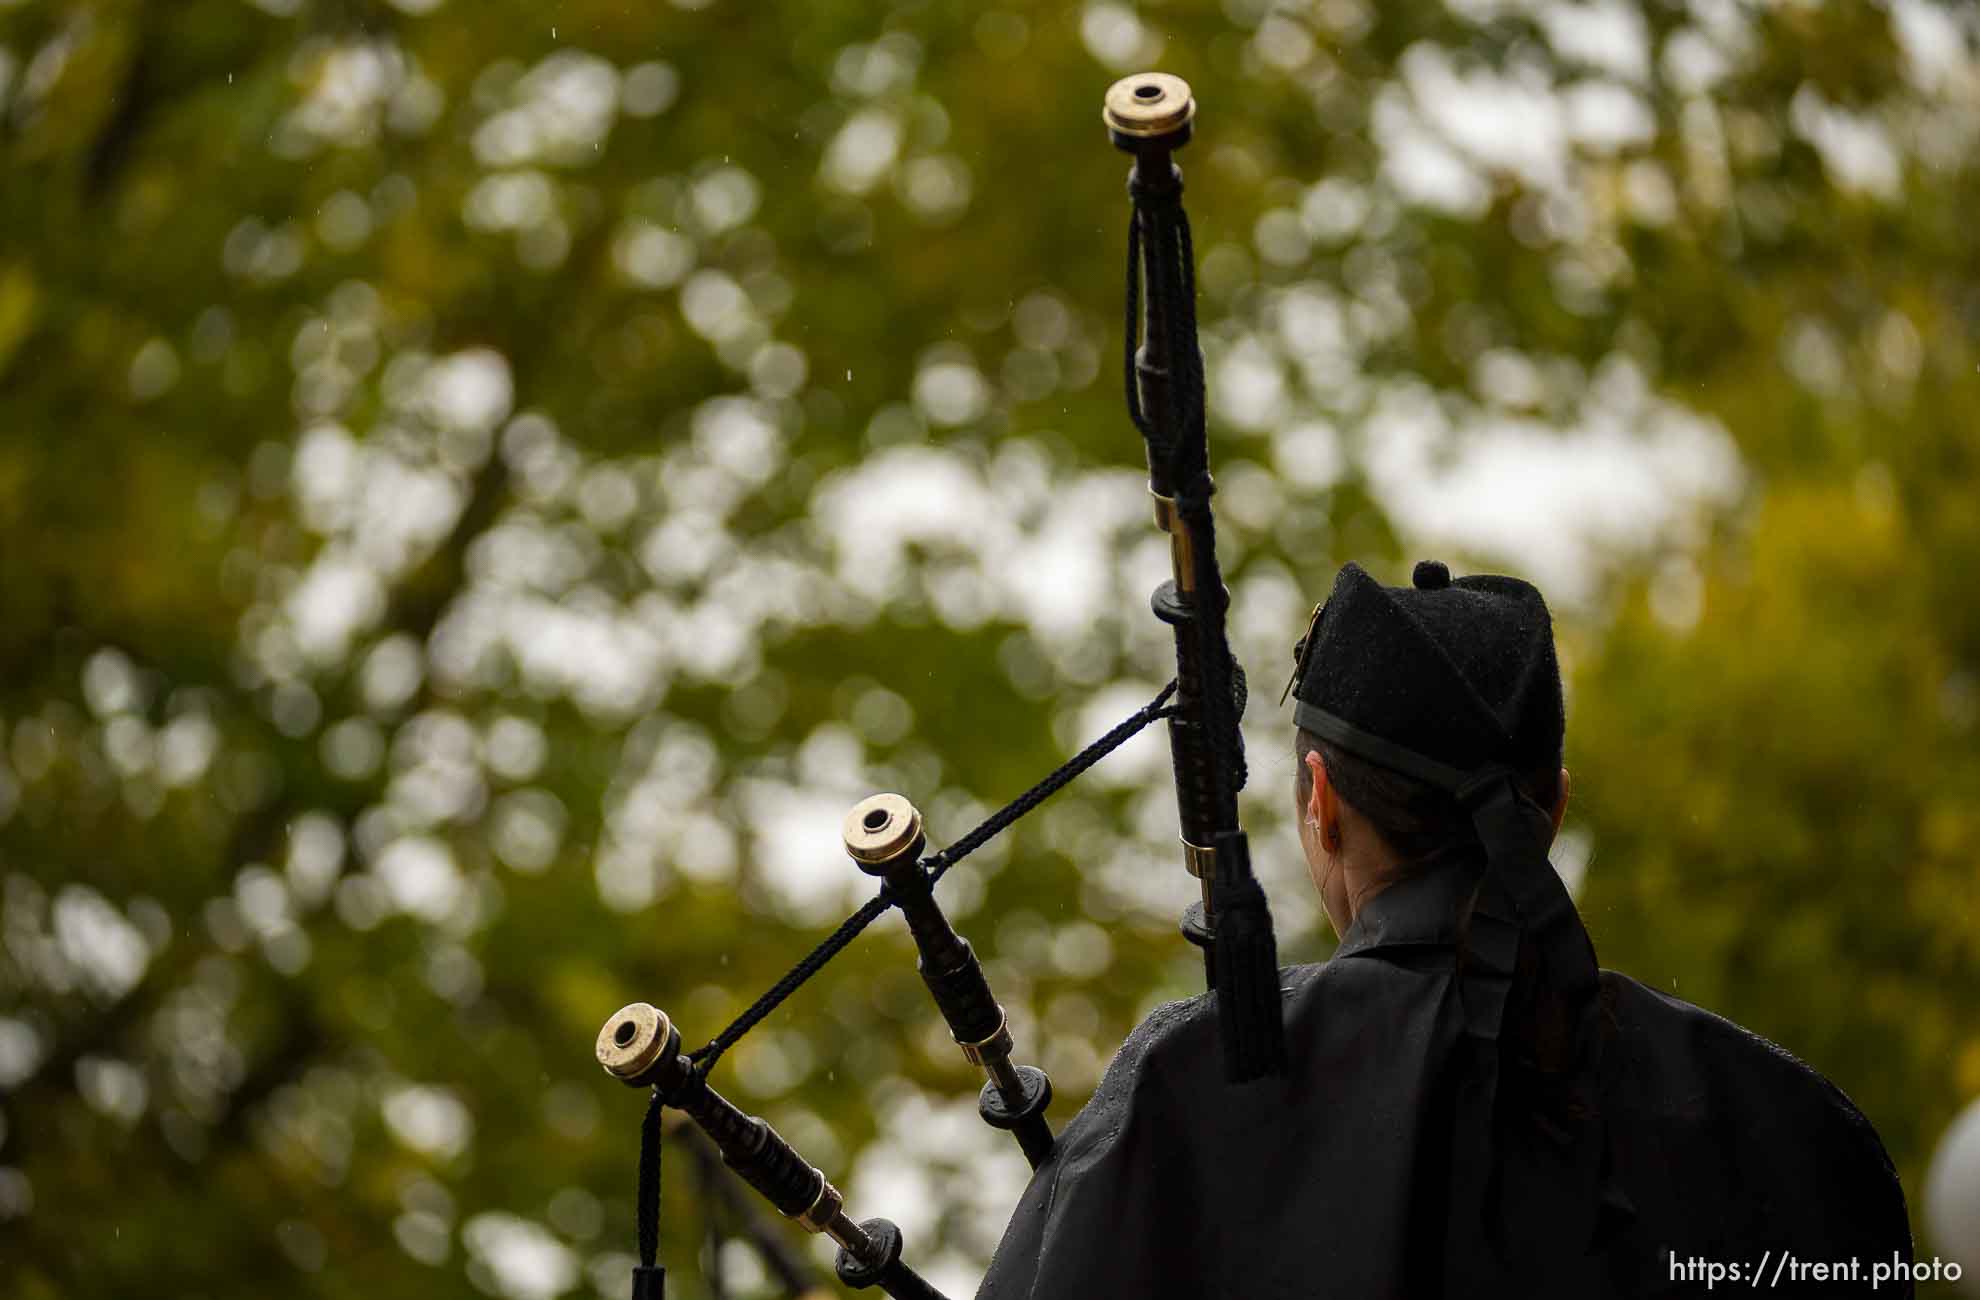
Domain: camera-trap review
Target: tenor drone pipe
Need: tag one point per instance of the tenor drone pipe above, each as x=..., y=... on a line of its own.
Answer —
x=793, y=1271
x=640, y=1047
x=884, y=836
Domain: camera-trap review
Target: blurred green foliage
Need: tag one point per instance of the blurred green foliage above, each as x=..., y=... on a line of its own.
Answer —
x=483, y=487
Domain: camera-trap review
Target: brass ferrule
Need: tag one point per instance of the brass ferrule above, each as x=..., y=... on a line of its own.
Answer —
x=828, y=1215
x=1201, y=863
x=829, y=1205
x=1197, y=860
x=1182, y=557
x=993, y=1056
x=997, y=1047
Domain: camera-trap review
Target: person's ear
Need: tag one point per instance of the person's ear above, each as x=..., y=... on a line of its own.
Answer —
x=1560, y=804
x=1323, y=805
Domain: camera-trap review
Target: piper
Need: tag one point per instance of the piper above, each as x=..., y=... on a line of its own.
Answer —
x=1470, y=1107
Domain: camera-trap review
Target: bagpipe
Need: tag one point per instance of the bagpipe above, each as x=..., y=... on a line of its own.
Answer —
x=1148, y=116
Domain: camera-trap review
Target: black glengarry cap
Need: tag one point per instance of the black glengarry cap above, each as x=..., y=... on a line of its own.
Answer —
x=1459, y=671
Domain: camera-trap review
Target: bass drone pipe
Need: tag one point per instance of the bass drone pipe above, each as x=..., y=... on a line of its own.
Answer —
x=640, y=1047
x=884, y=836
x=1150, y=116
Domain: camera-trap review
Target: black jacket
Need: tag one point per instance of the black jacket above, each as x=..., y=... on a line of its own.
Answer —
x=1709, y=1148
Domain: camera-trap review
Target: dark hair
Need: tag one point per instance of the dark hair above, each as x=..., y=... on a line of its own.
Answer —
x=1416, y=820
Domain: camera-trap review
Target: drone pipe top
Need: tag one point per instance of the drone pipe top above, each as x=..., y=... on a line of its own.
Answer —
x=884, y=836
x=639, y=1046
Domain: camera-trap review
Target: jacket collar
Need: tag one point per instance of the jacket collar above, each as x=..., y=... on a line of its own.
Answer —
x=1420, y=909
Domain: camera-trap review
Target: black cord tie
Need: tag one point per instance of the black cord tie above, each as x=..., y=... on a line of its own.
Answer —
x=934, y=867
x=649, y=1279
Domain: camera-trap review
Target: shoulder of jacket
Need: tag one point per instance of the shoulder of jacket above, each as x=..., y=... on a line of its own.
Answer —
x=1184, y=1029
x=1732, y=1056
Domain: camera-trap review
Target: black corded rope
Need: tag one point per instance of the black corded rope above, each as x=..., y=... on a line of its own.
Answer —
x=647, y=1213
x=935, y=866
x=704, y=1057
x=1191, y=396
x=1153, y=711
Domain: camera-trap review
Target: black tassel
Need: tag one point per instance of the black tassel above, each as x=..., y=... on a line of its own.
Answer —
x=1246, y=956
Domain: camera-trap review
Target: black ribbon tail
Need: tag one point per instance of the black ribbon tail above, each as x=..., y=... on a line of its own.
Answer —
x=1246, y=959
x=1522, y=894
x=1485, y=976
x=1515, y=833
